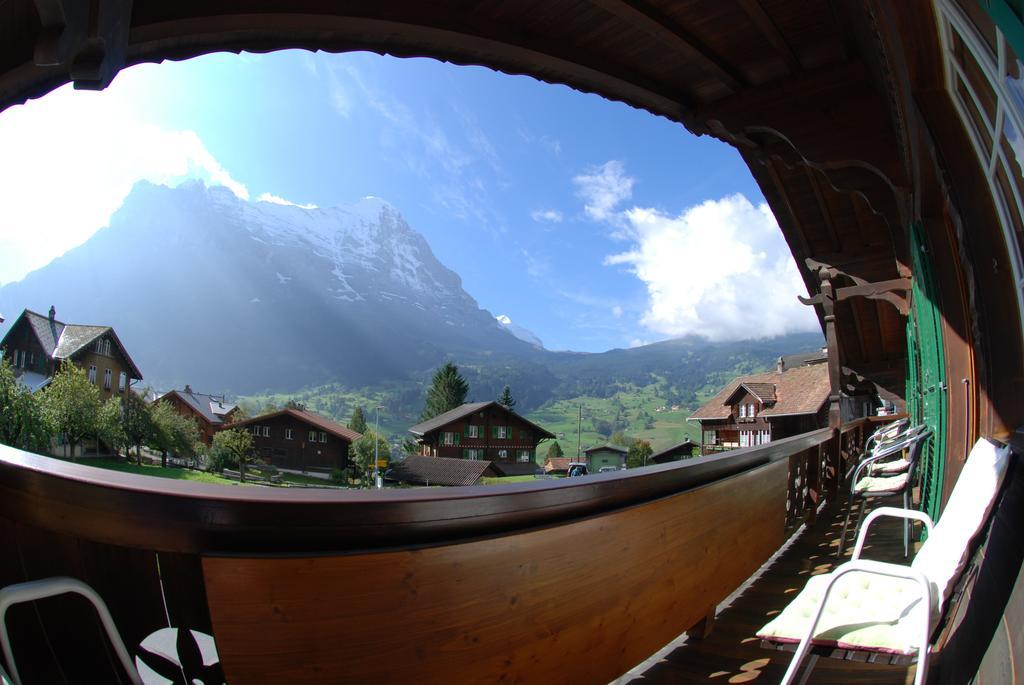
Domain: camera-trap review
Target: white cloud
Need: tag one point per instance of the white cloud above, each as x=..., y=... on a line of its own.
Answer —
x=603, y=188
x=637, y=342
x=617, y=312
x=270, y=197
x=720, y=269
x=69, y=160
x=546, y=215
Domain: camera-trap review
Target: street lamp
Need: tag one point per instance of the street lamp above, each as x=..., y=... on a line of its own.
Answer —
x=376, y=446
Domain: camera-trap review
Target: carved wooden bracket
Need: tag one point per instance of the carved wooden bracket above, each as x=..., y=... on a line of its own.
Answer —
x=896, y=292
x=90, y=39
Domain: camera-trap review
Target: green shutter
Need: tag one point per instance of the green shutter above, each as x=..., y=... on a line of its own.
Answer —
x=926, y=373
x=458, y=439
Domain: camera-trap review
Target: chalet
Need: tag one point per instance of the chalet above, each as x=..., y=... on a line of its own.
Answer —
x=683, y=450
x=210, y=412
x=557, y=466
x=416, y=470
x=294, y=438
x=36, y=345
x=761, y=407
x=605, y=455
x=483, y=431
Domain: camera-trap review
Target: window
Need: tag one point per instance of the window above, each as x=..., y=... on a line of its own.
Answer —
x=312, y=436
x=472, y=431
x=710, y=437
x=743, y=411
x=502, y=454
x=103, y=347
x=501, y=432
x=122, y=381
x=92, y=374
x=287, y=433
x=752, y=410
x=323, y=436
x=764, y=437
x=31, y=360
x=256, y=431
x=108, y=377
x=449, y=438
x=473, y=453
x=525, y=456
x=266, y=431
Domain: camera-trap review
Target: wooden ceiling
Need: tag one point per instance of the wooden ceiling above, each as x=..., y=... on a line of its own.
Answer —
x=802, y=89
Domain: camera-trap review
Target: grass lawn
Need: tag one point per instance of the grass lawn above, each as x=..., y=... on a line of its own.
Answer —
x=158, y=471
x=501, y=480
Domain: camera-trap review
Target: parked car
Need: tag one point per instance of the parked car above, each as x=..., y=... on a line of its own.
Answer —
x=607, y=469
x=576, y=468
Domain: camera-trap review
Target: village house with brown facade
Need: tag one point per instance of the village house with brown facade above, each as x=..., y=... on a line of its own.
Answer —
x=758, y=408
x=37, y=345
x=484, y=431
x=210, y=412
x=298, y=439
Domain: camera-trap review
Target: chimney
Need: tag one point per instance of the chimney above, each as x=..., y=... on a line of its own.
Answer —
x=780, y=365
x=188, y=389
x=53, y=313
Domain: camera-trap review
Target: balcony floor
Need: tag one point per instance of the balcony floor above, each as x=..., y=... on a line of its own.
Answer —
x=731, y=653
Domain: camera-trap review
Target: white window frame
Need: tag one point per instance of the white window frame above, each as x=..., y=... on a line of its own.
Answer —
x=503, y=432
x=472, y=431
x=474, y=453
x=108, y=379
x=764, y=437
x=122, y=381
x=447, y=438
x=323, y=438
x=92, y=375
x=502, y=454
x=312, y=436
x=288, y=434
x=524, y=456
x=993, y=67
x=266, y=431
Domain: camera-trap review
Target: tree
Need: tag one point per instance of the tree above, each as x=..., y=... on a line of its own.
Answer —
x=506, y=398
x=136, y=422
x=358, y=421
x=448, y=390
x=638, y=454
x=555, y=451
x=23, y=423
x=362, y=451
x=231, y=448
x=71, y=404
x=172, y=433
x=619, y=438
x=110, y=425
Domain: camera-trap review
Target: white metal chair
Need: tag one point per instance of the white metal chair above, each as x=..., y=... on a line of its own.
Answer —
x=33, y=590
x=890, y=608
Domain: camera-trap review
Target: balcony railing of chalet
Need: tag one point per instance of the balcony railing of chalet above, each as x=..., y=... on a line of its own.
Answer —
x=571, y=581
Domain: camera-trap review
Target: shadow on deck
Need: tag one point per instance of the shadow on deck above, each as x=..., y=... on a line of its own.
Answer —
x=732, y=654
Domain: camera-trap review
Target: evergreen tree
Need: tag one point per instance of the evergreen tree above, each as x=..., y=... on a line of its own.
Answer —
x=448, y=390
x=71, y=404
x=358, y=421
x=555, y=451
x=506, y=398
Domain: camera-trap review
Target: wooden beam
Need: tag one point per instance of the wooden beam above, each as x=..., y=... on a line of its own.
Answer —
x=826, y=214
x=770, y=31
x=894, y=291
x=661, y=27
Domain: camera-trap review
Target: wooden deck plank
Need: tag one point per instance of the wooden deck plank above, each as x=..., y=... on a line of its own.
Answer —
x=731, y=654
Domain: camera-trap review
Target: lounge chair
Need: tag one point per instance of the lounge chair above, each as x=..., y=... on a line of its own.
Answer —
x=889, y=608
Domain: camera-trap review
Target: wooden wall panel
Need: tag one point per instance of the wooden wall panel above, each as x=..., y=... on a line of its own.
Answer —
x=576, y=603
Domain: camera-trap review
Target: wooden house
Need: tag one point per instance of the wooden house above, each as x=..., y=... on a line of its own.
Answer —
x=210, y=412
x=605, y=455
x=37, y=345
x=683, y=450
x=557, y=466
x=761, y=407
x=297, y=439
x=483, y=431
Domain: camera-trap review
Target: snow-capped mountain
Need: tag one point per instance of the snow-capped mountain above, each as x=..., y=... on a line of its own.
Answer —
x=522, y=333
x=226, y=294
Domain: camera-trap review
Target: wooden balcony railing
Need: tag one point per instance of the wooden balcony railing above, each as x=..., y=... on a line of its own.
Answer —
x=477, y=584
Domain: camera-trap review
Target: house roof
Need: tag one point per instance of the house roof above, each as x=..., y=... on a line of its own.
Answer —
x=606, y=448
x=557, y=464
x=418, y=470
x=765, y=392
x=441, y=420
x=64, y=340
x=308, y=417
x=800, y=390
x=211, y=408
x=516, y=468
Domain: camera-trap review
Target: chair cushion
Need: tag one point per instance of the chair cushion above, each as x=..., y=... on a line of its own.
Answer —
x=944, y=554
x=881, y=485
x=864, y=611
x=888, y=468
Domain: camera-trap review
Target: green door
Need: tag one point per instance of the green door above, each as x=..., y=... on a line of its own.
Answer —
x=926, y=372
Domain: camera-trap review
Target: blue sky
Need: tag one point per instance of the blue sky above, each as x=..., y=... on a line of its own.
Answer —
x=592, y=224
